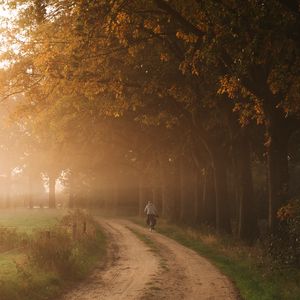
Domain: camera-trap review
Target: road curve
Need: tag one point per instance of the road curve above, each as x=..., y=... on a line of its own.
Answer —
x=188, y=275
x=134, y=271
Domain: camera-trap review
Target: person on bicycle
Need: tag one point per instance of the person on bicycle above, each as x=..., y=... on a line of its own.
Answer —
x=151, y=212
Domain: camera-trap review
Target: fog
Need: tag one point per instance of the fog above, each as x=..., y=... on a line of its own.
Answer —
x=108, y=105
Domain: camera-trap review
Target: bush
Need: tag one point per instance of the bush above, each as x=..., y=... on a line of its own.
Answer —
x=66, y=246
x=10, y=239
x=49, y=260
x=284, y=247
x=51, y=249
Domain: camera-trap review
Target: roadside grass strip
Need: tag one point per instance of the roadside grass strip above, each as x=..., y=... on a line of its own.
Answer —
x=144, y=238
x=255, y=276
x=255, y=281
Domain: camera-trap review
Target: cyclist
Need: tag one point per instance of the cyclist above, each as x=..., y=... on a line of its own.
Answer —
x=151, y=212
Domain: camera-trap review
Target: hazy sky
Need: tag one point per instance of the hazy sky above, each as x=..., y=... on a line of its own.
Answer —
x=6, y=17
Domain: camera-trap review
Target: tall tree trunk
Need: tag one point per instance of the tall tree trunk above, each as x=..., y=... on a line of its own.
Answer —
x=164, y=208
x=277, y=164
x=71, y=191
x=115, y=197
x=105, y=195
x=30, y=191
x=156, y=197
x=197, y=198
x=247, y=225
x=203, y=211
x=174, y=204
x=222, y=199
x=208, y=214
x=163, y=185
x=278, y=129
x=142, y=198
x=52, y=196
x=218, y=158
x=8, y=190
x=182, y=204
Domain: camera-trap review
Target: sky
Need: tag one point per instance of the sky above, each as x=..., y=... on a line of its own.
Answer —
x=6, y=17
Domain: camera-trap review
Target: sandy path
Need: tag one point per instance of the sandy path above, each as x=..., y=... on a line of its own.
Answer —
x=134, y=271
x=187, y=275
x=130, y=267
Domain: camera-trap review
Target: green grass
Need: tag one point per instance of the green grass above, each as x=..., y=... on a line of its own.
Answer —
x=151, y=285
x=27, y=220
x=254, y=280
x=24, y=221
x=7, y=264
x=152, y=246
x=22, y=280
x=145, y=239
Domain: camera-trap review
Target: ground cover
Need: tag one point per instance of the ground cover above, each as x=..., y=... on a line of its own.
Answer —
x=42, y=253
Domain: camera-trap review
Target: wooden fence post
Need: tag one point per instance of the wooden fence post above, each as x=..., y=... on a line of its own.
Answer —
x=74, y=231
x=48, y=234
x=84, y=227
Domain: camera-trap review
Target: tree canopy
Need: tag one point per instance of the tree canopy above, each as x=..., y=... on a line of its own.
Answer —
x=187, y=99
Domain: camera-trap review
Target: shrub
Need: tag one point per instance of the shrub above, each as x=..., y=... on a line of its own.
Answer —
x=66, y=246
x=51, y=249
x=10, y=239
x=284, y=247
x=50, y=259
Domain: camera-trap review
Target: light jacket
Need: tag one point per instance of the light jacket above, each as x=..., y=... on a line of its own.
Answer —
x=150, y=209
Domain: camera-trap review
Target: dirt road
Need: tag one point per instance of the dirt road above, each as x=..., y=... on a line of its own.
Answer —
x=163, y=270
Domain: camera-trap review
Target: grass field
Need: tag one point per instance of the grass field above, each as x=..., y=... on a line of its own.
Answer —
x=22, y=278
x=27, y=220
x=24, y=221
